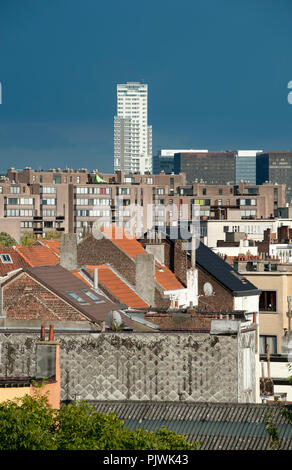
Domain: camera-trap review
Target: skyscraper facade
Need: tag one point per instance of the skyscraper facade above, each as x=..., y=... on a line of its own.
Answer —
x=132, y=134
x=245, y=166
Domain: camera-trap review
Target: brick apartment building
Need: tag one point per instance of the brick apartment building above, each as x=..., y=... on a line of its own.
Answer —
x=73, y=200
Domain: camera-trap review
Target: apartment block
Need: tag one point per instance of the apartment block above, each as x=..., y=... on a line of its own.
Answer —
x=77, y=200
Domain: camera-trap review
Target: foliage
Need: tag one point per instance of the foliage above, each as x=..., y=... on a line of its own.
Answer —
x=273, y=433
x=27, y=424
x=31, y=424
x=52, y=235
x=27, y=239
x=7, y=240
x=270, y=425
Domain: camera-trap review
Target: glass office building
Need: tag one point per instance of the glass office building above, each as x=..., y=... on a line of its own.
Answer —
x=245, y=166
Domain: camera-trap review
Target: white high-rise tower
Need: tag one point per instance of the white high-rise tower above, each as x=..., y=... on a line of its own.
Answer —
x=132, y=135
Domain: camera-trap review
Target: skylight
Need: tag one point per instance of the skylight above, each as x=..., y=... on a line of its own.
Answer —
x=6, y=259
x=92, y=296
x=76, y=297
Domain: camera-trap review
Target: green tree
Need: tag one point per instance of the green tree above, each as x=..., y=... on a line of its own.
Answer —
x=52, y=235
x=31, y=424
x=7, y=240
x=27, y=239
x=27, y=424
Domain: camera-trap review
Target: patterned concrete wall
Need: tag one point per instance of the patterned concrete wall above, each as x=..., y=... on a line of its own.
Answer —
x=125, y=366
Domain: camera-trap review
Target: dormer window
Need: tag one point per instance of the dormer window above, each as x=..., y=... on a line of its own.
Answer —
x=6, y=259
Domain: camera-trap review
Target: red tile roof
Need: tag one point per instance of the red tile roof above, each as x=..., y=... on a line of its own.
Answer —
x=38, y=255
x=17, y=261
x=127, y=243
x=54, y=245
x=120, y=289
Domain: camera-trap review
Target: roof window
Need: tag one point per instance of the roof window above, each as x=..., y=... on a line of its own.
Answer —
x=6, y=259
x=92, y=296
x=76, y=297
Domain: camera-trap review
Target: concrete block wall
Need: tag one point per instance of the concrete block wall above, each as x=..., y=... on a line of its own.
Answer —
x=124, y=366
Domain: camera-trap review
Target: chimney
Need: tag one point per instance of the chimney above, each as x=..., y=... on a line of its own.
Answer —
x=43, y=332
x=95, y=278
x=51, y=333
x=193, y=249
x=68, y=251
x=145, y=277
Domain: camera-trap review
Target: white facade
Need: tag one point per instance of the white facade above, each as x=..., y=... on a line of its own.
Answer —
x=242, y=249
x=214, y=230
x=132, y=134
x=171, y=152
x=281, y=250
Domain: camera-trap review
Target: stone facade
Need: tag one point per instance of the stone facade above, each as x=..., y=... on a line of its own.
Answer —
x=152, y=367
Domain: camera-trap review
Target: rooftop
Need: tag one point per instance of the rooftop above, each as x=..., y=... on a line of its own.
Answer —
x=128, y=243
x=218, y=426
x=37, y=255
x=10, y=260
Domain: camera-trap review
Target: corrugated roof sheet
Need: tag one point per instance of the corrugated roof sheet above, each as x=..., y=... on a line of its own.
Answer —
x=218, y=426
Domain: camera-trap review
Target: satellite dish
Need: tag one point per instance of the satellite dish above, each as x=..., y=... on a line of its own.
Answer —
x=115, y=318
x=208, y=289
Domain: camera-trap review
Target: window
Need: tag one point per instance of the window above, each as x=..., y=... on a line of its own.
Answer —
x=49, y=213
x=220, y=191
x=14, y=189
x=82, y=213
x=48, y=190
x=92, y=296
x=76, y=297
x=82, y=202
x=6, y=259
x=81, y=190
x=204, y=191
x=13, y=201
x=48, y=202
x=123, y=190
x=19, y=213
x=270, y=341
x=57, y=179
x=48, y=224
x=160, y=191
x=268, y=301
x=25, y=224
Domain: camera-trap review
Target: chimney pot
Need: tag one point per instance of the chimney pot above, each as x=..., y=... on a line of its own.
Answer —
x=51, y=333
x=43, y=332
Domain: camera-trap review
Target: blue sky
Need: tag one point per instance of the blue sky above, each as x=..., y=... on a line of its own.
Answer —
x=217, y=72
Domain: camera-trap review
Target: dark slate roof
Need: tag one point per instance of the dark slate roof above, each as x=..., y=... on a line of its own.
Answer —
x=224, y=272
x=218, y=426
x=60, y=281
x=213, y=264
